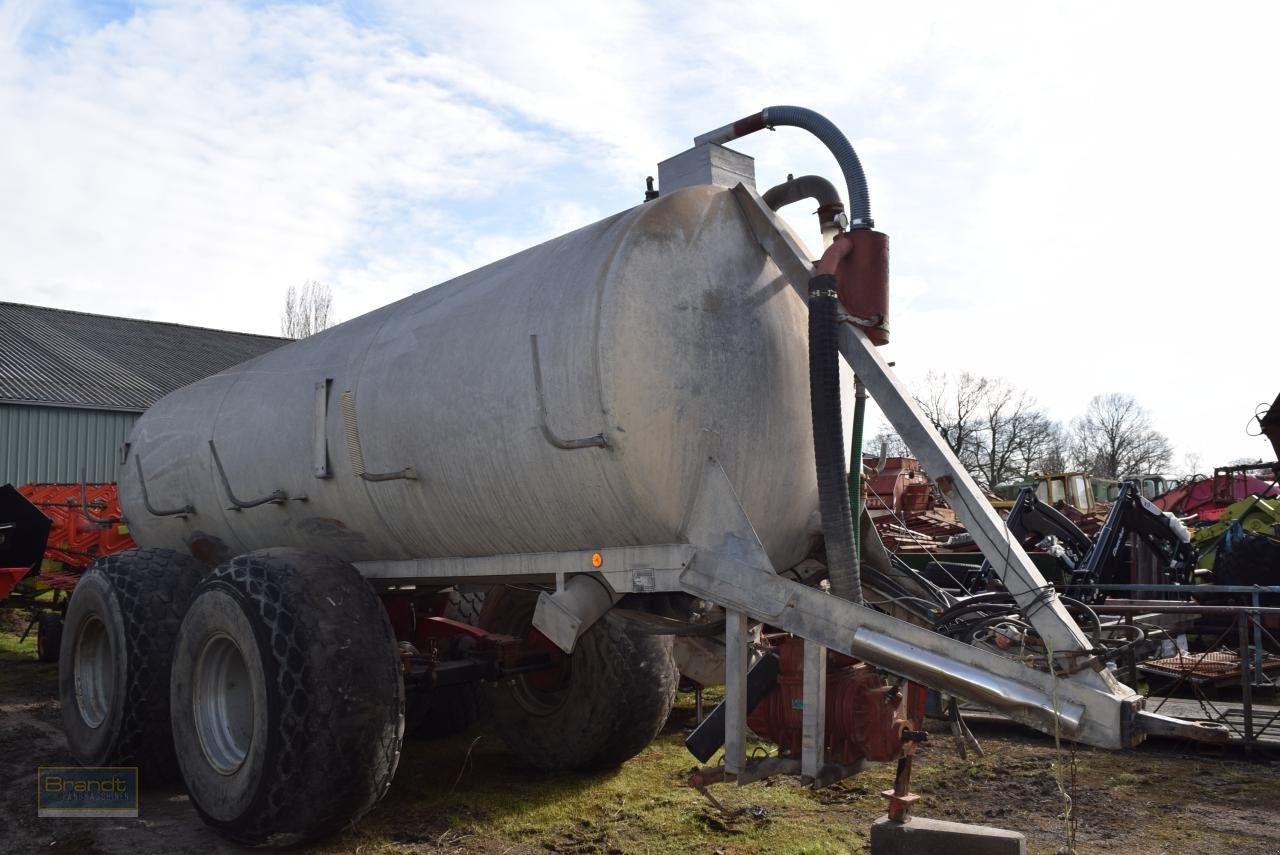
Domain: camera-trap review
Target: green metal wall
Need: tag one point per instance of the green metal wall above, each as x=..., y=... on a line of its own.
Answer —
x=55, y=443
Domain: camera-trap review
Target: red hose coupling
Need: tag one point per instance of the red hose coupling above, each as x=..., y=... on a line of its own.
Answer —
x=859, y=259
x=864, y=283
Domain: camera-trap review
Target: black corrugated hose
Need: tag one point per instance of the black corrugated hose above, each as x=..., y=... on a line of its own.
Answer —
x=836, y=142
x=828, y=438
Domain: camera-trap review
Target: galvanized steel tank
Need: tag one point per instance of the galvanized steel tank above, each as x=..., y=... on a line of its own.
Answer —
x=563, y=398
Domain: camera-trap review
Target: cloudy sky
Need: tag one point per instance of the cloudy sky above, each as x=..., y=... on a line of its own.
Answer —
x=1081, y=198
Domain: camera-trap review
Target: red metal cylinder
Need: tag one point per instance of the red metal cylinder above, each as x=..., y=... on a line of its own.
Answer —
x=863, y=278
x=865, y=716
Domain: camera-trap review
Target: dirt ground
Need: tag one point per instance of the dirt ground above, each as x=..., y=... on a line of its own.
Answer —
x=467, y=794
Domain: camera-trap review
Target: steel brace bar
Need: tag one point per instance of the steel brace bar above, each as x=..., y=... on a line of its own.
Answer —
x=732, y=569
x=1034, y=595
x=1090, y=704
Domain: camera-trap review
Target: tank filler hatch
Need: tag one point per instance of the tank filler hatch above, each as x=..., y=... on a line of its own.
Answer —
x=708, y=163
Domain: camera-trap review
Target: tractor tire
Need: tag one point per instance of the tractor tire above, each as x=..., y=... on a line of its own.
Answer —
x=603, y=705
x=466, y=605
x=454, y=709
x=287, y=698
x=116, y=650
x=1255, y=560
x=48, y=636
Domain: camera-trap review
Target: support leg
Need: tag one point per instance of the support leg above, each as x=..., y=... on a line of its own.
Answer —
x=735, y=692
x=814, y=719
x=1246, y=678
x=1256, y=619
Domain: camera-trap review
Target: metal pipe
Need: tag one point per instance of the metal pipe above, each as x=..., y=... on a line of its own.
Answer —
x=826, y=132
x=817, y=188
x=1182, y=589
x=1257, y=638
x=1184, y=608
x=939, y=671
x=275, y=497
x=183, y=511
x=794, y=189
x=84, y=505
x=1246, y=681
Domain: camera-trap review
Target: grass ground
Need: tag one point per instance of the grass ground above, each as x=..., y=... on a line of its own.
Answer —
x=480, y=792
x=467, y=794
x=19, y=670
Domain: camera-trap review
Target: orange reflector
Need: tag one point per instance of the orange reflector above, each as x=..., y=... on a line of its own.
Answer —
x=597, y=559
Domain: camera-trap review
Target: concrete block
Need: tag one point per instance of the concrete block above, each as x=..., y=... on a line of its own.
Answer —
x=923, y=836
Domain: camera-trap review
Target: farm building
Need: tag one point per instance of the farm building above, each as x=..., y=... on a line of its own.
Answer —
x=73, y=384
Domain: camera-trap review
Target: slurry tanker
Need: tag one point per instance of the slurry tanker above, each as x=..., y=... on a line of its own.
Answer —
x=549, y=488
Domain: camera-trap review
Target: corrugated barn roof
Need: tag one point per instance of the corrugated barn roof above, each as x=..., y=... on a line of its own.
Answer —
x=63, y=358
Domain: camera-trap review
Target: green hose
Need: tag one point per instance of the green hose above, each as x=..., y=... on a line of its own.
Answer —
x=855, y=464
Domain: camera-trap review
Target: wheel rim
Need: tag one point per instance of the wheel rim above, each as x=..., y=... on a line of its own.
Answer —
x=540, y=693
x=222, y=704
x=536, y=700
x=94, y=670
x=544, y=692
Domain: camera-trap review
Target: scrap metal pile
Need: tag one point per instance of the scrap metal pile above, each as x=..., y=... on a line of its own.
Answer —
x=1231, y=522
x=1217, y=531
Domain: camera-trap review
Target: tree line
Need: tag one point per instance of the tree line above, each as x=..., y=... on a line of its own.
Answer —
x=307, y=310
x=1002, y=435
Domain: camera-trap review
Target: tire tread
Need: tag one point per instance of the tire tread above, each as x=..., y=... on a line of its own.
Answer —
x=339, y=726
x=627, y=685
x=152, y=588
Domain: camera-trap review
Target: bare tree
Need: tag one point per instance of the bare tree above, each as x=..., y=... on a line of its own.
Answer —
x=1244, y=461
x=1190, y=466
x=1017, y=437
x=953, y=405
x=1001, y=420
x=1048, y=450
x=1115, y=438
x=998, y=432
x=887, y=439
x=307, y=310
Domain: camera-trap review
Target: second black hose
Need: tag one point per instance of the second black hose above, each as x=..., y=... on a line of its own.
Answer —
x=828, y=439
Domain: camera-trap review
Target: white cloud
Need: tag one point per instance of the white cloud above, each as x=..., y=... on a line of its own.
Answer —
x=198, y=160
x=1079, y=200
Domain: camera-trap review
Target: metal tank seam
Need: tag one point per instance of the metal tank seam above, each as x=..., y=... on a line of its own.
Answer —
x=639, y=214
x=606, y=272
x=357, y=374
x=710, y=439
x=768, y=259
x=213, y=475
